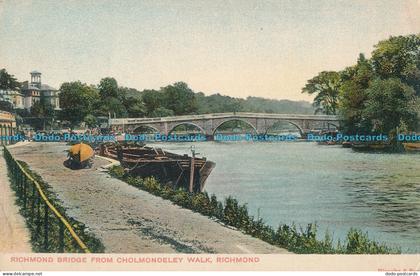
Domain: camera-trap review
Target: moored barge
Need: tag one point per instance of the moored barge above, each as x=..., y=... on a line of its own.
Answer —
x=171, y=169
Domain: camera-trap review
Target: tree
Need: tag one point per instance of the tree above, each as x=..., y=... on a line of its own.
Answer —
x=152, y=100
x=41, y=114
x=381, y=94
x=326, y=87
x=135, y=108
x=355, y=81
x=76, y=101
x=399, y=57
x=132, y=101
x=113, y=99
x=179, y=98
x=161, y=112
x=42, y=109
x=108, y=87
x=218, y=103
x=111, y=106
x=390, y=103
x=6, y=106
x=23, y=113
x=90, y=120
x=7, y=81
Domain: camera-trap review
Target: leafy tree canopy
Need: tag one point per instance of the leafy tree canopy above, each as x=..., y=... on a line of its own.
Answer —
x=161, y=112
x=108, y=87
x=7, y=81
x=389, y=102
x=326, y=87
x=399, y=57
x=6, y=106
x=41, y=109
x=76, y=101
x=179, y=98
x=379, y=94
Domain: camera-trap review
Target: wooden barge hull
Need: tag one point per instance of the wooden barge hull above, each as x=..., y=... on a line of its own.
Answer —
x=170, y=169
x=412, y=147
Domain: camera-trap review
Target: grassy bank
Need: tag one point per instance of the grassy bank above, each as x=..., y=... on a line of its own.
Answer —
x=231, y=213
x=34, y=218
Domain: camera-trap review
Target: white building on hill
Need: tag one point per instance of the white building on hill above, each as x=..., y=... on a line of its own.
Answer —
x=30, y=93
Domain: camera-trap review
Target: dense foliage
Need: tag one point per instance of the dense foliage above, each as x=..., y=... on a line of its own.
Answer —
x=376, y=95
x=231, y=213
x=80, y=102
x=7, y=82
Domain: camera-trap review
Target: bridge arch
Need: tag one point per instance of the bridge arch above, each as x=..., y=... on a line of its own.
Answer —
x=234, y=119
x=187, y=124
x=136, y=129
x=298, y=127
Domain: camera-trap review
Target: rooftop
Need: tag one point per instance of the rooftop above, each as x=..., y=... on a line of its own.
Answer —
x=47, y=87
x=30, y=86
x=26, y=86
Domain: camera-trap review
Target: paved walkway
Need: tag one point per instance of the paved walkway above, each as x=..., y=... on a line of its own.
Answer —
x=14, y=236
x=129, y=220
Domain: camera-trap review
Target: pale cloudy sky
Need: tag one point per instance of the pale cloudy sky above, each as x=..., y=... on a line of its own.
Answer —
x=237, y=48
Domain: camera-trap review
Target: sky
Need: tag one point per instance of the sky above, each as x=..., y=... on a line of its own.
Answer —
x=237, y=48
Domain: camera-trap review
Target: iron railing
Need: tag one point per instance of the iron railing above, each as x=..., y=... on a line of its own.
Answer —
x=50, y=230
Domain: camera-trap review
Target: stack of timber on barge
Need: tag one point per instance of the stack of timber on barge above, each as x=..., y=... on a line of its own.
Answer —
x=171, y=169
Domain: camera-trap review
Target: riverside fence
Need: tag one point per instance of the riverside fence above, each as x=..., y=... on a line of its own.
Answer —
x=50, y=230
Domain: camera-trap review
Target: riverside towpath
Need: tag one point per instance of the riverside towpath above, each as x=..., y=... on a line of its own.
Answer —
x=129, y=220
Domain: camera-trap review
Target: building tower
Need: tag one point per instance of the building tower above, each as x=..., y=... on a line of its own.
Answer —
x=36, y=79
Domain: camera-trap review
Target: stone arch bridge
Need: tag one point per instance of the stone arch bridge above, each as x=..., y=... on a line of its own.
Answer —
x=208, y=124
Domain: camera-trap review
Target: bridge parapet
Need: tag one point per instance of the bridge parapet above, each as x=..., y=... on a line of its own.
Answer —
x=209, y=123
x=128, y=121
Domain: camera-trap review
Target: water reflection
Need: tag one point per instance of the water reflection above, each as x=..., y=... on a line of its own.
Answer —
x=393, y=200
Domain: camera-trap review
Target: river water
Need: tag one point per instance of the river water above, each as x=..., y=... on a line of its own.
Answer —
x=302, y=182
